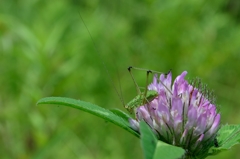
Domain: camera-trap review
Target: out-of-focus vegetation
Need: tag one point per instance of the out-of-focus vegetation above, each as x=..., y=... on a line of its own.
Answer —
x=45, y=50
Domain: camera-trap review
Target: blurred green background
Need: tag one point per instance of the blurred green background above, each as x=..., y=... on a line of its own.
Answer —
x=45, y=50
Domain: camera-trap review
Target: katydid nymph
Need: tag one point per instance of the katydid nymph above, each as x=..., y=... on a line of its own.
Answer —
x=143, y=97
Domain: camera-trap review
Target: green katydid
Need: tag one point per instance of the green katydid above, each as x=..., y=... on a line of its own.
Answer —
x=143, y=97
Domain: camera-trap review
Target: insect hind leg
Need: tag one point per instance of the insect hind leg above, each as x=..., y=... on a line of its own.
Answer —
x=143, y=95
x=145, y=92
x=137, y=87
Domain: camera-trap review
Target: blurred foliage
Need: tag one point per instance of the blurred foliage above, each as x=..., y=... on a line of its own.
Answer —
x=45, y=50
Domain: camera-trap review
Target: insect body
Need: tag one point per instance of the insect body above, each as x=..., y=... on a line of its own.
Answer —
x=141, y=99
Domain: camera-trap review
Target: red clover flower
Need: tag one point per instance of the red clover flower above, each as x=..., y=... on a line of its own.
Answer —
x=182, y=114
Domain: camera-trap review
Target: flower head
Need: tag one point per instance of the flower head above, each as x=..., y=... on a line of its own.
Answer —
x=182, y=114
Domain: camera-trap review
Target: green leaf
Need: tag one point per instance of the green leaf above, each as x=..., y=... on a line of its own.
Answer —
x=148, y=140
x=156, y=149
x=228, y=136
x=90, y=108
x=166, y=151
x=120, y=113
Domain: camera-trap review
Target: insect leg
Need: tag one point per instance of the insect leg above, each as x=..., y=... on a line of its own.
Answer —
x=137, y=87
x=145, y=92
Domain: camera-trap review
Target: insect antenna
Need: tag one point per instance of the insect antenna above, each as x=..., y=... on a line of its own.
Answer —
x=103, y=63
x=120, y=95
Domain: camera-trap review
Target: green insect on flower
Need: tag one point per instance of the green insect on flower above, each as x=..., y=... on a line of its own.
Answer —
x=143, y=97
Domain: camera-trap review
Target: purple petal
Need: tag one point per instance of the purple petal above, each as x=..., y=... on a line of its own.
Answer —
x=134, y=124
x=143, y=114
x=214, y=127
x=201, y=124
x=192, y=117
